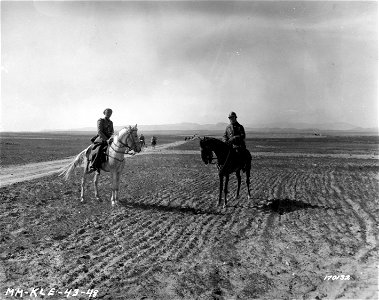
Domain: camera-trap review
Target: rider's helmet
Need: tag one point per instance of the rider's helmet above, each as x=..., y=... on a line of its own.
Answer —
x=232, y=114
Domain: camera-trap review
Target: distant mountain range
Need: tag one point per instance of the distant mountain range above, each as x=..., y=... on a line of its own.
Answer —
x=277, y=126
x=312, y=126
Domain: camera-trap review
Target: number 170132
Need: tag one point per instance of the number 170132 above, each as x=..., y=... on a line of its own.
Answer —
x=337, y=277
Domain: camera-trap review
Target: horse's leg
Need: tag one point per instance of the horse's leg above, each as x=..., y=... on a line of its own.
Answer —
x=95, y=182
x=84, y=177
x=238, y=183
x=113, y=197
x=226, y=191
x=115, y=185
x=221, y=187
x=118, y=175
x=248, y=182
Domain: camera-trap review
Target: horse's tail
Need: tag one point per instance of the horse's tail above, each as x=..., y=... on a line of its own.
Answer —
x=249, y=158
x=69, y=169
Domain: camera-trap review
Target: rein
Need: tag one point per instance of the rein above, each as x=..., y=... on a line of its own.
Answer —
x=123, y=152
x=220, y=169
x=213, y=158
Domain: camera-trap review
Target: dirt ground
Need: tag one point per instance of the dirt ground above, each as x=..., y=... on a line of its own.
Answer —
x=19, y=173
x=309, y=232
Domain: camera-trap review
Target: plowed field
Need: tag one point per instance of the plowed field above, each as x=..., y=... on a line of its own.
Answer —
x=308, y=232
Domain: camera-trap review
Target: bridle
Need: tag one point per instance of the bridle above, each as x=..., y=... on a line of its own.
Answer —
x=221, y=167
x=210, y=158
x=128, y=148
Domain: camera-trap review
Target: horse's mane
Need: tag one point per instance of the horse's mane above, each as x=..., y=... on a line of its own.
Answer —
x=123, y=131
x=213, y=141
x=212, y=138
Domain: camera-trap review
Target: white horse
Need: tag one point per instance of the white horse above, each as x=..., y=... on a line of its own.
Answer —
x=123, y=142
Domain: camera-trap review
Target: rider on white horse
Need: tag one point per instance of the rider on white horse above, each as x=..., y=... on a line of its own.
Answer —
x=125, y=140
x=104, y=133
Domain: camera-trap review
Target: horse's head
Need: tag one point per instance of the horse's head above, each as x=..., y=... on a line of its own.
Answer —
x=206, y=151
x=129, y=137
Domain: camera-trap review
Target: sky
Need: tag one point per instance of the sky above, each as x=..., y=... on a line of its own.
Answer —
x=164, y=62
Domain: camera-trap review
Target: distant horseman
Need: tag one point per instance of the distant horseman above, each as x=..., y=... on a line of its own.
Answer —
x=142, y=140
x=153, y=141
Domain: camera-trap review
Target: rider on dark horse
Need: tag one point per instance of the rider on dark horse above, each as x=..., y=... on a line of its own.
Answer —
x=235, y=136
x=153, y=141
x=142, y=140
x=101, y=140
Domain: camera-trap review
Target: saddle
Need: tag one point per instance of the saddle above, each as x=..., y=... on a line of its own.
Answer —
x=242, y=156
x=98, y=155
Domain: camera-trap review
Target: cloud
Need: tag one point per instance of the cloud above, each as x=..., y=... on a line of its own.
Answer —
x=195, y=59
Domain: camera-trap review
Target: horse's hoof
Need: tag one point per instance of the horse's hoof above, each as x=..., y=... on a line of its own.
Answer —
x=81, y=200
x=98, y=198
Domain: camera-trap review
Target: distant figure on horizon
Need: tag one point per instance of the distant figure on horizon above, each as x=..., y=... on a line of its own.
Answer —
x=153, y=141
x=142, y=140
x=104, y=133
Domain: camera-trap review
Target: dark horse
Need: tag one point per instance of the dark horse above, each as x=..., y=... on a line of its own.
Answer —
x=228, y=161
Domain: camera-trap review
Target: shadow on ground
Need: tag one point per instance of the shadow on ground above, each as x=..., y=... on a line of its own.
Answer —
x=284, y=206
x=166, y=208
